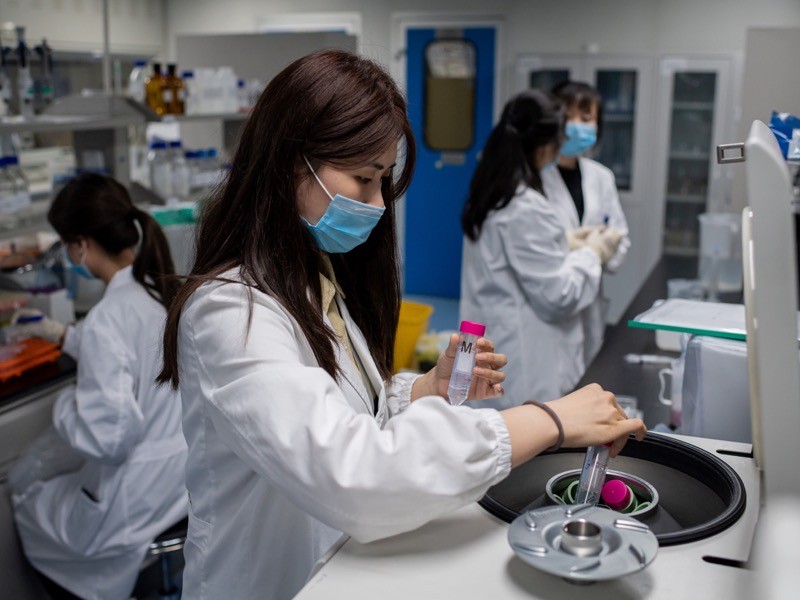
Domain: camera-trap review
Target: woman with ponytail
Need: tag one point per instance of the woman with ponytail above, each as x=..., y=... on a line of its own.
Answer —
x=522, y=274
x=85, y=522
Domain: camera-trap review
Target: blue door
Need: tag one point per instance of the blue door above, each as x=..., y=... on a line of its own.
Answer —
x=450, y=86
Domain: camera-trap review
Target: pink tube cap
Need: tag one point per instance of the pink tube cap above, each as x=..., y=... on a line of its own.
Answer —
x=616, y=494
x=472, y=328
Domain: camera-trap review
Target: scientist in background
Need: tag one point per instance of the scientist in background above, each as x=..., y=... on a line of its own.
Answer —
x=282, y=343
x=91, y=494
x=586, y=195
x=521, y=275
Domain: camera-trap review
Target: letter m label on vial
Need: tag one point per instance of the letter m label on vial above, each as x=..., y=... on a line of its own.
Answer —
x=464, y=358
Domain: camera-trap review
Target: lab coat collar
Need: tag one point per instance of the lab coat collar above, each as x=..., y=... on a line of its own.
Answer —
x=361, y=348
x=121, y=278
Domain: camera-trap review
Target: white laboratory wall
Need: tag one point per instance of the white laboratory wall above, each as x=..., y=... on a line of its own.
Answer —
x=136, y=26
x=651, y=27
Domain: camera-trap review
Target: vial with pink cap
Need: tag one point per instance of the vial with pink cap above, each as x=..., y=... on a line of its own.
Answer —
x=464, y=363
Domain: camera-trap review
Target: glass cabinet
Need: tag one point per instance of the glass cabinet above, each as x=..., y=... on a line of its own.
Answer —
x=695, y=102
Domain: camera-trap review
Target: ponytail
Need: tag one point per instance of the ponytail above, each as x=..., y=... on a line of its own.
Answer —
x=530, y=120
x=153, y=267
x=99, y=207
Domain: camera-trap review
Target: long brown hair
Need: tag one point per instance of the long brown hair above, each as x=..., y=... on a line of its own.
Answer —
x=335, y=108
x=99, y=207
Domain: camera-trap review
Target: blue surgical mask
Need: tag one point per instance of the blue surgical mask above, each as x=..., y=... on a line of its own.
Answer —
x=346, y=223
x=82, y=270
x=580, y=137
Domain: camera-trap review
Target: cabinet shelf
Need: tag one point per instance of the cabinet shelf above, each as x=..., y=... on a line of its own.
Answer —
x=618, y=118
x=686, y=198
x=697, y=156
x=680, y=251
x=239, y=116
x=699, y=106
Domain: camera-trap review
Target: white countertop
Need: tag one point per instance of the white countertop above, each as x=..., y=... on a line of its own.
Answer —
x=465, y=555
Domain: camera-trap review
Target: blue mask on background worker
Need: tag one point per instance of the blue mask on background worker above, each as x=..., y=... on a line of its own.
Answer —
x=346, y=223
x=580, y=137
x=81, y=270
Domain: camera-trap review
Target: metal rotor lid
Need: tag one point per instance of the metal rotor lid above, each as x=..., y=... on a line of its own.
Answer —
x=582, y=543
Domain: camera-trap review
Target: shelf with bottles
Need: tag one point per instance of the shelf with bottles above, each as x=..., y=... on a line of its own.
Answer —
x=681, y=227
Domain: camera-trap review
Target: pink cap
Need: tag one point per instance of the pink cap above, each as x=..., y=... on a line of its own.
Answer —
x=472, y=328
x=616, y=494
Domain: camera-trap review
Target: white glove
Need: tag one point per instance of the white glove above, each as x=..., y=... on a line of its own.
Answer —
x=22, y=327
x=603, y=243
x=576, y=238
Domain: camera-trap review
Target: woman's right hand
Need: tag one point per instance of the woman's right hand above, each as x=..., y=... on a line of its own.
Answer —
x=591, y=416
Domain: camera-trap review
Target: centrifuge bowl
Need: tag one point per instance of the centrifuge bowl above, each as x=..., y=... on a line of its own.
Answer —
x=699, y=494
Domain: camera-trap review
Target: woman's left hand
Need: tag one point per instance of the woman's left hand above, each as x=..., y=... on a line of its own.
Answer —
x=487, y=377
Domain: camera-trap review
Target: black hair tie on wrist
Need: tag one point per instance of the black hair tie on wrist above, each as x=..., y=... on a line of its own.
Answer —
x=556, y=420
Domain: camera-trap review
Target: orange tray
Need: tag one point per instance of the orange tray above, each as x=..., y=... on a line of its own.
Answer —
x=26, y=355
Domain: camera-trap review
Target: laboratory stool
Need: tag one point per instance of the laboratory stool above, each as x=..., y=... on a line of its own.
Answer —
x=166, y=543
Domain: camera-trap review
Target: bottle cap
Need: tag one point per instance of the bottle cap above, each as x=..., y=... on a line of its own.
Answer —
x=175, y=144
x=187, y=74
x=158, y=145
x=617, y=495
x=472, y=328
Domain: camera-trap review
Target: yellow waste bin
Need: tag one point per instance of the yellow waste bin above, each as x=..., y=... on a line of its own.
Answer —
x=414, y=317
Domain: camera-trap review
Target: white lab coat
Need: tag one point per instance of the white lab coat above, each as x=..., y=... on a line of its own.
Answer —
x=88, y=530
x=282, y=459
x=521, y=280
x=600, y=199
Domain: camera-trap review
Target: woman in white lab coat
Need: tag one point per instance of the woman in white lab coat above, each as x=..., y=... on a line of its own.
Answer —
x=281, y=342
x=118, y=434
x=519, y=275
x=586, y=194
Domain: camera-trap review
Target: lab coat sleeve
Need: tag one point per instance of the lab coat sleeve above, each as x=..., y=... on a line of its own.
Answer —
x=290, y=423
x=99, y=417
x=398, y=392
x=558, y=283
x=616, y=218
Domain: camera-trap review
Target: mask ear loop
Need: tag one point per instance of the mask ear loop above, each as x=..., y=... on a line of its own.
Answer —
x=140, y=231
x=319, y=181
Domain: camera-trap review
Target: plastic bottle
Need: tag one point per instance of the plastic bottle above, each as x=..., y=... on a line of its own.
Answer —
x=464, y=363
x=46, y=91
x=25, y=93
x=6, y=93
x=22, y=190
x=181, y=176
x=137, y=82
x=242, y=96
x=189, y=91
x=593, y=475
x=160, y=170
x=155, y=99
x=7, y=190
